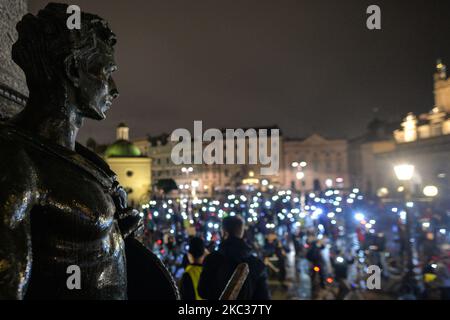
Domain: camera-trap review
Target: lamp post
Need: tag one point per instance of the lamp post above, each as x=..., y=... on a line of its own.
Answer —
x=300, y=176
x=404, y=173
x=187, y=171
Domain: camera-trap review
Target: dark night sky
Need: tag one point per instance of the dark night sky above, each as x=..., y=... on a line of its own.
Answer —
x=305, y=65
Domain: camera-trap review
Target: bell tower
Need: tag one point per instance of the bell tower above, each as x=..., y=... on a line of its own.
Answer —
x=441, y=87
x=122, y=132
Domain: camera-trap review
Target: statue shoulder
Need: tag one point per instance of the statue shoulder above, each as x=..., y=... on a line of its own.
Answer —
x=14, y=158
x=18, y=178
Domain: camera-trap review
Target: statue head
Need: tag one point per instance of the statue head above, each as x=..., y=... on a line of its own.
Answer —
x=67, y=69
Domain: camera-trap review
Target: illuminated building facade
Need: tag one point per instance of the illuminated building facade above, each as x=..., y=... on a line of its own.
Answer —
x=133, y=169
x=435, y=123
x=206, y=178
x=315, y=163
x=423, y=141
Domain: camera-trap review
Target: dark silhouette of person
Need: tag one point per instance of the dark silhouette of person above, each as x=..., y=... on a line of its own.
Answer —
x=220, y=265
x=191, y=276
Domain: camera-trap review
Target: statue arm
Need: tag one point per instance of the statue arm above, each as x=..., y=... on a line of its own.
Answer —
x=17, y=196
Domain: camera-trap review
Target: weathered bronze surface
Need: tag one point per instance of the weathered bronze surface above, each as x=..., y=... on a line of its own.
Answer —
x=60, y=204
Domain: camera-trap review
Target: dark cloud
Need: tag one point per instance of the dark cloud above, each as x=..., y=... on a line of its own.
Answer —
x=304, y=65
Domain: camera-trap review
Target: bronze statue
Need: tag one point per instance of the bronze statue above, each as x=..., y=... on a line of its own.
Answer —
x=60, y=204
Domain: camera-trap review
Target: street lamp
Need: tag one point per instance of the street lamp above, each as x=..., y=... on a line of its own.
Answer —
x=404, y=173
x=430, y=191
x=194, y=185
x=187, y=170
x=300, y=175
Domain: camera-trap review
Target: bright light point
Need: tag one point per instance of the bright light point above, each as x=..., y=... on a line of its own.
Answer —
x=303, y=164
x=330, y=215
x=264, y=182
x=359, y=216
x=340, y=259
x=410, y=204
x=382, y=192
x=430, y=191
x=426, y=224
x=394, y=209
x=442, y=231
x=294, y=164
x=403, y=215
x=300, y=175
x=329, y=183
x=404, y=172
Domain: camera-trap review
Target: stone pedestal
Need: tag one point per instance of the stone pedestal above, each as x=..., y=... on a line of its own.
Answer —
x=13, y=88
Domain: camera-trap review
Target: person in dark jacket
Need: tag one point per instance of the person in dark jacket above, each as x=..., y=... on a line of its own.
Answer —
x=314, y=255
x=220, y=265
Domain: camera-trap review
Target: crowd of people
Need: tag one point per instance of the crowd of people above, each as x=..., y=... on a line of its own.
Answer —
x=338, y=233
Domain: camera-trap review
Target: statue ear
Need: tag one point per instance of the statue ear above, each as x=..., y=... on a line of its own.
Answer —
x=72, y=71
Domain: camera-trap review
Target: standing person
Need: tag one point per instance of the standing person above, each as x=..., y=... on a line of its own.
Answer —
x=314, y=256
x=220, y=265
x=191, y=276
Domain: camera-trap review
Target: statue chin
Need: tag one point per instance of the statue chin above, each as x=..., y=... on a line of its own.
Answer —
x=95, y=113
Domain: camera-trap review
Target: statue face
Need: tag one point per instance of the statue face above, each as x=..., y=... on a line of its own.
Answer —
x=96, y=87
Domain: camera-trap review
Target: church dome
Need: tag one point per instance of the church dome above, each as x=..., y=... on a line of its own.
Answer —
x=122, y=148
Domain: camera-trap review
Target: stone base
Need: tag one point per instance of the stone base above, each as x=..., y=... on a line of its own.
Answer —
x=11, y=76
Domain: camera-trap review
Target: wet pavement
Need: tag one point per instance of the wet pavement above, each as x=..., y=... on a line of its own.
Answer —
x=298, y=282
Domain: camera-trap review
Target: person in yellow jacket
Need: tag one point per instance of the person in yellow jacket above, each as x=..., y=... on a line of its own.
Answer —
x=191, y=275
